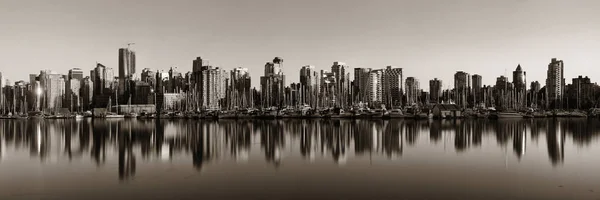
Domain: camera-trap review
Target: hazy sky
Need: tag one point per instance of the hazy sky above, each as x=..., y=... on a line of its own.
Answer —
x=427, y=38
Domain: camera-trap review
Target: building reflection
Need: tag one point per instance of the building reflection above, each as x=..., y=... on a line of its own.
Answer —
x=204, y=141
x=555, y=141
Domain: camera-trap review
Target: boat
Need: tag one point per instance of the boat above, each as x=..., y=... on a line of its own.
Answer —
x=113, y=116
x=395, y=113
x=577, y=114
x=340, y=113
x=78, y=116
x=131, y=115
x=504, y=115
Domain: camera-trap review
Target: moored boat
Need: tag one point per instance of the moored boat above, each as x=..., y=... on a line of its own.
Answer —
x=504, y=115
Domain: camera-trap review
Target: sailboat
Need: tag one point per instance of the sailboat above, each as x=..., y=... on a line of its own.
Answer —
x=505, y=114
x=111, y=115
x=131, y=114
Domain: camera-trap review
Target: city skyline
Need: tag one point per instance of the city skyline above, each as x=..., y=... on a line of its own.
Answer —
x=449, y=37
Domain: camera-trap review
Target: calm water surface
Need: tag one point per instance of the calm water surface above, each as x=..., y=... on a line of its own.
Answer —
x=300, y=159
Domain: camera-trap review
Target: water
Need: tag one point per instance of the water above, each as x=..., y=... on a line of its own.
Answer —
x=300, y=159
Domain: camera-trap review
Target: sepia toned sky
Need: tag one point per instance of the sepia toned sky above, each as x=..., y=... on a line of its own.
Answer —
x=427, y=38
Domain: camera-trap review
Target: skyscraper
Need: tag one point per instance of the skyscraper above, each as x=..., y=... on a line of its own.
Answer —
x=272, y=84
x=412, y=90
x=240, y=95
x=477, y=85
x=519, y=86
x=328, y=89
x=392, y=86
x=375, y=87
x=555, y=84
x=53, y=87
x=148, y=76
x=103, y=85
x=342, y=84
x=214, y=87
x=462, y=86
x=126, y=69
x=76, y=73
x=87, y=93
x=435, y=90
x=362, y=84
x=310, y=85
x=73, y=85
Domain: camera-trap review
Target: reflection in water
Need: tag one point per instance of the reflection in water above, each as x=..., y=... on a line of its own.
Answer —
x=338, y=140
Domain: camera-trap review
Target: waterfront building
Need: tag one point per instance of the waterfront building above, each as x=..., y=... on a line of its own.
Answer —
x=75, y=73
x=476, y=82
x=310, y=86
x=272, y=84
x=392, y=87
x=72, y=95
x=213, y=87
x=375, y=88
x=87, y=93
x=435, y=91
x=580, y=93
x=239, y=94
x=53, y=87
x=413, y=92
x=534, y=96
x=126, y=70
x=520, y=86
x=143, y=93
x=148, y=76
x=328, y=87
x=555, y=84
x=342, y=84
x=362, y=83
x=103, y=85
x=462, y=86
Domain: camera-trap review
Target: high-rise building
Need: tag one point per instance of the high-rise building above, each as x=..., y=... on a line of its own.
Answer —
x=73, y=85
x=87, y=93
x=199, y=65
x=412, y=91
x=476, y=82
x=126, y=70
x=240, y=95
x=176, y=81
x=435, y=90
x=328, y=89
x=392, y=87
x=309, y=86
x=142, y=93
x=103, y=85
x=148, y=76
x=104, y=77
x=342, y=84
x=53, y=87
x=520, y=87
x=462, y=86
x=581, y=93
x=362, y=83
x=214, y=87
x=75, y=73
x=272, y=84
x=72, y=94
x=375, y=87
x=555, y=84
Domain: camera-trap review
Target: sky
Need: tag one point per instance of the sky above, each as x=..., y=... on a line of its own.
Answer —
x=427, y=38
